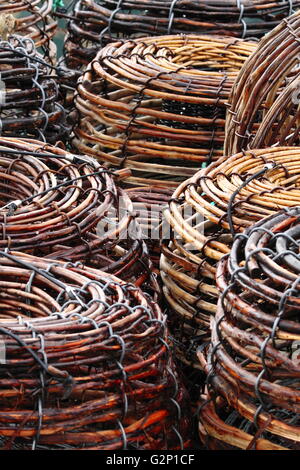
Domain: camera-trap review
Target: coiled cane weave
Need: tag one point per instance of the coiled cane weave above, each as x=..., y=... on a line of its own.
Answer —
x=253, y=359
x=204, y=213
x=263, y=108
x=87, y=362
x=30, y=104
x=157, y=105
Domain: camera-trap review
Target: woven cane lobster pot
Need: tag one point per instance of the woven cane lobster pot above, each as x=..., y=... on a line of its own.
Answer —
x=29, y=93
x=157, y=105
x=264, y=104
x=55, y=204
x=94, y=23
x=30, y=18
x=87, y=363
x=253, y=361
x=204, y=214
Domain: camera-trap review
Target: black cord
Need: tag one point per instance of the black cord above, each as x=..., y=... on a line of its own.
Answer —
x=36, y=59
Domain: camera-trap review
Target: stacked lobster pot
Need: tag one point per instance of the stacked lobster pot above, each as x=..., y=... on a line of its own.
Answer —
x=92, y=24
x=88, y=361
x=67, y=207
x=157, y=106
x=87, y=364
x=204, y=214
x=149, y=203
x=30, y=104
x=253, y=360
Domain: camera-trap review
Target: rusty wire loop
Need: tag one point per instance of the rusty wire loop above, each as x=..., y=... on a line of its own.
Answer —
x=263, y=108
x=253, y=361
x=87, y=363
x=66, y=207
x=157, y=105
x=225, y=198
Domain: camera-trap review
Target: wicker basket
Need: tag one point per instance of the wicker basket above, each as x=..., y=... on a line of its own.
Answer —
x=204, y=214
x=253, y=361
x=66, y=207
x=94, y=23
x=87, y=363
x=157, y=105
x=264, y=104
